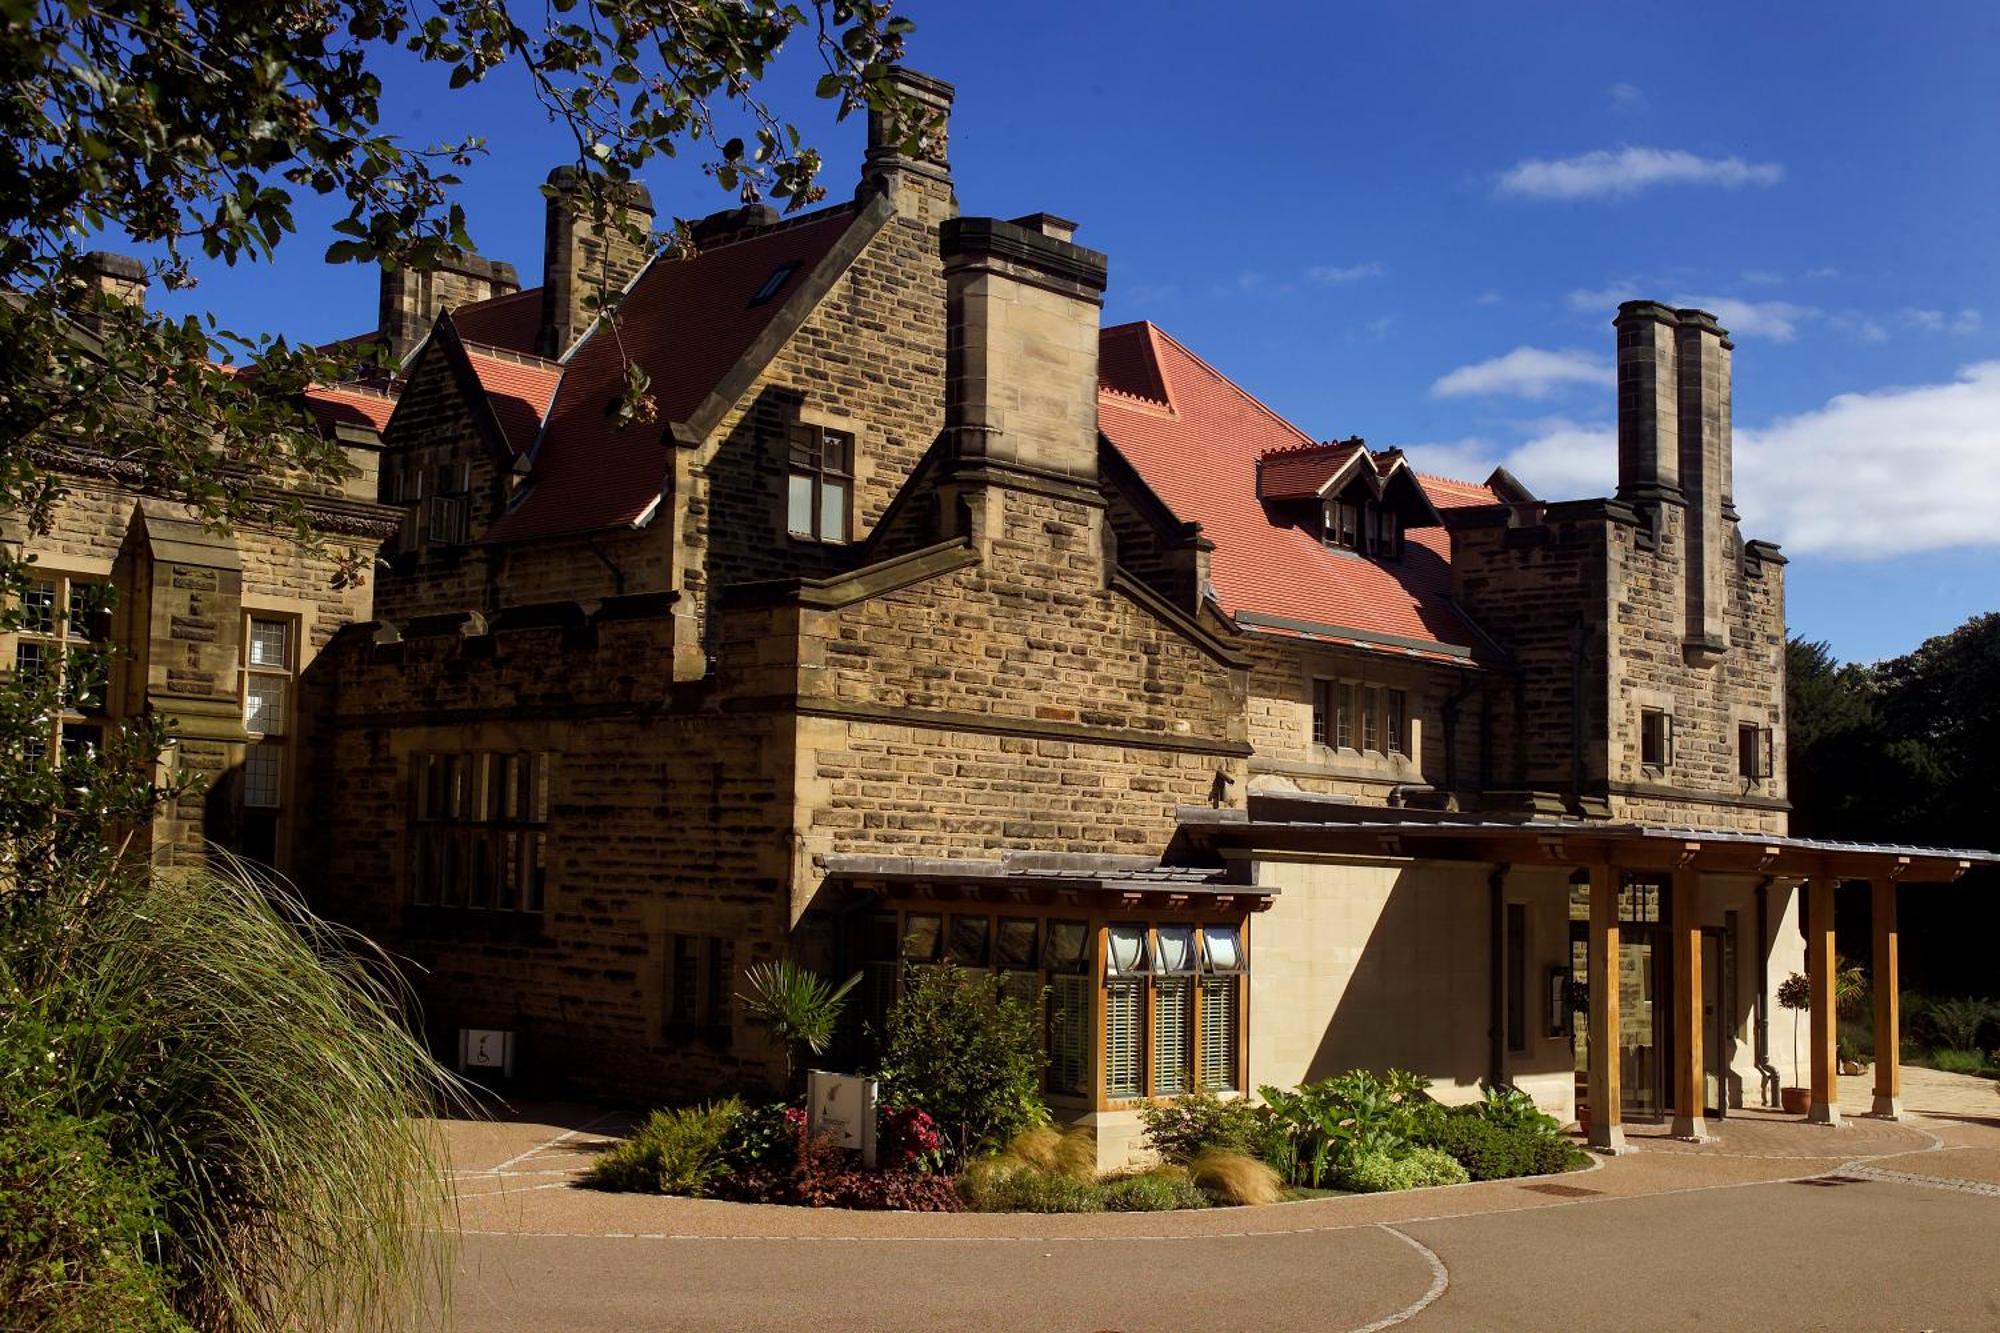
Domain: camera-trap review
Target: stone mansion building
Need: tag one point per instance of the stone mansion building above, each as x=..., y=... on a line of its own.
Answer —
x=921, y=617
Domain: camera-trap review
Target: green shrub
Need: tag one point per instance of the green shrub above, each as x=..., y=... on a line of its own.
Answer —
x=1156, y=1191
x=674, y=1152
x=1182, y=1129
x=1512, y=1109
x=1321, y=1128
x=1375, y=1171
x=73, y=1226
x=1956, y=1024
x=1953, y=1061
x=968, y=1053
x=245, y=1066
x=1488, y=1151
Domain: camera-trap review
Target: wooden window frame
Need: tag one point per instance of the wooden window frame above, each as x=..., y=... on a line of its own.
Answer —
x=1661, y=756
x=807, y=458
x=479, y=820
x=701, y=982
x=1096, y=921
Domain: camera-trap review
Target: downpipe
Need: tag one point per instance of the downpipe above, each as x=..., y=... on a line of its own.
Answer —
x=1769, y=1080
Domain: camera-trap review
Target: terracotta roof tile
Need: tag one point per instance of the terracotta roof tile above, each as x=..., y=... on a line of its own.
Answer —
x=1202, y=460
x=1300, y=473
x=686, y=322
x=519, y=389
x=346, y=405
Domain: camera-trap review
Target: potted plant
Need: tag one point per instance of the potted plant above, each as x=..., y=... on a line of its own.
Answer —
x=1795, y=994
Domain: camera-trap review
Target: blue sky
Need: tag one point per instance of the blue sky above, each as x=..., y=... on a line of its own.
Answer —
x=1414, y=222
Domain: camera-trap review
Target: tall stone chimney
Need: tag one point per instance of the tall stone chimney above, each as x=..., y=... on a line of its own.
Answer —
x=584, y=267
x=1649, y=455
x=916, y=179
x=1022, y=307
x=1702, y=354
x=120, y=277
x=412, y=301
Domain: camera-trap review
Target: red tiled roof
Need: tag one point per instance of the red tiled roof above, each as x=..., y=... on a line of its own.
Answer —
x=519, y=391
x=1201, y=458
x=686, y=322
x=511, y=322
x=1300, y=473
x=344, y=405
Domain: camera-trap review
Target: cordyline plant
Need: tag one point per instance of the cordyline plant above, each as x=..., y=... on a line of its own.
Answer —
x=798, y=1007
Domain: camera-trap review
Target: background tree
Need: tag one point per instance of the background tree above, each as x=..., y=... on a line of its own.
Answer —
x=1907, y=750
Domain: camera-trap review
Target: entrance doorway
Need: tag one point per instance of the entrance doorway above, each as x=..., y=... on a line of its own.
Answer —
x=1644, y=998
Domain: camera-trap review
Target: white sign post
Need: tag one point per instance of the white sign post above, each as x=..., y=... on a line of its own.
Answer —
x=842, y=1106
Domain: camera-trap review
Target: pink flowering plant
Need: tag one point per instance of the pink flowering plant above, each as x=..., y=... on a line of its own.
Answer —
x=908, y=1140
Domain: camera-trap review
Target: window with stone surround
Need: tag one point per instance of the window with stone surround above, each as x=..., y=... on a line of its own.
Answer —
x=1352, y=715
x=820, y=487
x=700, y=979
x=1754, y=745
x=269, y=664
x=1656, y=738
x=480, y=830
x=64, y=620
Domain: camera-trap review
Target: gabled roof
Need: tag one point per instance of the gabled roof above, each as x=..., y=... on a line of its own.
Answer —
x=1201, y=454
x=686, y=323
x=510, y=322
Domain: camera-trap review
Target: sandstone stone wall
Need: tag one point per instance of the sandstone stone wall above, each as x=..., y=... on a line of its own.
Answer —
x=1541, y=591
x=183, y=596
x=1649, y=669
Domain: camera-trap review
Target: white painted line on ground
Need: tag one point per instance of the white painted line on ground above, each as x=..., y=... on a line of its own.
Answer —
x=563, y=1137
x=1440, y=1283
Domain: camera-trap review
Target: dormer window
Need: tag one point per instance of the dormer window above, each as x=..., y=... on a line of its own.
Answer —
x=1365, y=527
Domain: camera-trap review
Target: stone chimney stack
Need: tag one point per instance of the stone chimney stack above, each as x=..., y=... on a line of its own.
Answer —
x=1649, y=454
x=412, y=301
x=1702, y=353
x=1022, y=307
x=918, y=180
x=584, y=267
x=118, y=276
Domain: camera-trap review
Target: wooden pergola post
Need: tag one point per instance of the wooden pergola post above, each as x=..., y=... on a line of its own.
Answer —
x=1607, y=1126
x=1825, y=1106
x=1888, y=1004
x=1690, y=1089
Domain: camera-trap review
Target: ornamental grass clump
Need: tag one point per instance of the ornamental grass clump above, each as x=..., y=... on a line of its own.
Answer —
x=1235, y=1179
x=1163, y=1189
x=234, y=1082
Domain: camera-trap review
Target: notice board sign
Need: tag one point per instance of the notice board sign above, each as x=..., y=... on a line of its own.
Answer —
x=842, y=1107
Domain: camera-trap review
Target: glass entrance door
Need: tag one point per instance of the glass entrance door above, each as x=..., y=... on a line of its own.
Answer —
x=1642, y=1002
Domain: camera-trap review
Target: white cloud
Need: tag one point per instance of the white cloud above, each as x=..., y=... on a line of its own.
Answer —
x=1607, y=174
x=1892, y=472
x=1525, y=372
x=1488, y=297
x=1627, y=97
x=1333, y=274
x=1960, y=322
x=1777, y=320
